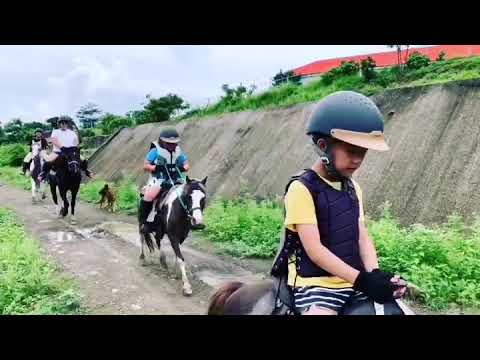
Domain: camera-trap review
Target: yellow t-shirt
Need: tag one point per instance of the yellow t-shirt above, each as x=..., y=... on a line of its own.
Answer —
x=301, y=210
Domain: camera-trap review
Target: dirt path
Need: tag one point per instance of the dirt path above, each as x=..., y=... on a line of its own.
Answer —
x=101, y=253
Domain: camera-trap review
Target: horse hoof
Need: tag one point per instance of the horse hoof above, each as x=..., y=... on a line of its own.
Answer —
x=163, y=263
x=73, y=221
x=141, y=261
x=187, y=292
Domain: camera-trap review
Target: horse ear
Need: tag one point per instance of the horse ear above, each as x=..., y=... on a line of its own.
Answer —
x=204, y=181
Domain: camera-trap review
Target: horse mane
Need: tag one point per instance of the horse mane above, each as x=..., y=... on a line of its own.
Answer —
x=218, y=300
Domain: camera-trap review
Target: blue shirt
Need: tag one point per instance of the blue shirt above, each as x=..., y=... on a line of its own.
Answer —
x=153, y=155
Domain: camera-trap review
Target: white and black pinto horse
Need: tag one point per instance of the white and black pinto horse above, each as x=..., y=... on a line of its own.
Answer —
x=36, y=166
x=180, y=210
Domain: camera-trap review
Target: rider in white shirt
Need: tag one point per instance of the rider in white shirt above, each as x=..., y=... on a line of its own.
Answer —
x=62, y=137
x=65, y=136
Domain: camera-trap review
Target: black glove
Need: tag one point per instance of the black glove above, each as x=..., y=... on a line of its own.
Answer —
x=382, y=272
x=376, y=285
x=158, y=168
x=395, y=287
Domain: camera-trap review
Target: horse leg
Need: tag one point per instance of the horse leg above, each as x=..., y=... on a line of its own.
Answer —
x=142, y=254
x=63, y=195
x=42, y=190
x=163, y=259
x=53, y=191
x=74, y=199
x=34, y=193
x=187, y=288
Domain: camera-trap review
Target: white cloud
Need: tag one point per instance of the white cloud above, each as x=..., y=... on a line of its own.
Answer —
x=41, y=81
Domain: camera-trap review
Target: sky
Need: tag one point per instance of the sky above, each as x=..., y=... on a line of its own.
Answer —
x=41, y=81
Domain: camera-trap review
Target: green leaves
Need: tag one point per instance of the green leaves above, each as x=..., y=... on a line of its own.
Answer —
x=244, y=227
x=444, y=261
x=12, y=154
x=109, y=123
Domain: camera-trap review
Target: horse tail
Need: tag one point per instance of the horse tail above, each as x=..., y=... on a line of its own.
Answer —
x=149, y=241
x=218, y=300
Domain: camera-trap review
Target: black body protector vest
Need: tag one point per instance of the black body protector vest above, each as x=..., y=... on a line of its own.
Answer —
x=337, y=215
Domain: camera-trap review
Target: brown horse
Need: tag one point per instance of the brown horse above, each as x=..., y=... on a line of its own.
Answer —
x=273, y=297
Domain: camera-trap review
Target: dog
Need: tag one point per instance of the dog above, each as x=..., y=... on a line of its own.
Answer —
x=109, y=196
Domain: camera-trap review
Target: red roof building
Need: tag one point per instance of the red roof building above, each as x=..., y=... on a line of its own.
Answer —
x=385, y=59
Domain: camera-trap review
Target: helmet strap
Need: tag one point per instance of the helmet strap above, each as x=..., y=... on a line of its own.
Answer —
x=328, y=160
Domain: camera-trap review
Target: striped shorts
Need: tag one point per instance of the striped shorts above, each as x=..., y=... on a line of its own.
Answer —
x=333, y=299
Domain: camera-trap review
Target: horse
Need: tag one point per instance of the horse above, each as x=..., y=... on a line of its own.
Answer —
x=36, y=165
x=68, y=176
x=179, y=211
x=274, y=297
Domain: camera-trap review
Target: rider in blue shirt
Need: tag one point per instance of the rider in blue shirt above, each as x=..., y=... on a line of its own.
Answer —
x=166, y=162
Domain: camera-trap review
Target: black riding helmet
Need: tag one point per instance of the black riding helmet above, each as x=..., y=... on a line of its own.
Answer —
x=169, y=135
x=65, y=119
x=350, y=117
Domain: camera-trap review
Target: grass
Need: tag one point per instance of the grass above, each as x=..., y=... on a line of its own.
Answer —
x=444, y=262
x=244, y=227
x=28, y=283
x=13, y=176
x=289, y=94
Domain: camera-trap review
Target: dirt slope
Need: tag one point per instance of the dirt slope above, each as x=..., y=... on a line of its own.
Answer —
x=432, y=169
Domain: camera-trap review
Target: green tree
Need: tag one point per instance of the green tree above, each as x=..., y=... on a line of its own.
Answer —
x=417, y=61
x=160, y=109
x=285, y=77
x=400, y=61
x=109, y=123
x=88, y=115
x=442, y=56
x=12, y=154
x=14, y=131
x=346, y=68
x=367, y=67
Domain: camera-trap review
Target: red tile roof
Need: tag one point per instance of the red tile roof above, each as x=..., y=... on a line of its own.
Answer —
x=389, y=58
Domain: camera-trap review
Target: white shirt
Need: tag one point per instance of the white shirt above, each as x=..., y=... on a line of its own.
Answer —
x=67, y=138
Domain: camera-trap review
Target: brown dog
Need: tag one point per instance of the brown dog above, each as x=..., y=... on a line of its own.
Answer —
x=109, y=196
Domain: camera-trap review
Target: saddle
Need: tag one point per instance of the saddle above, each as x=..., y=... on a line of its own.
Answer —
x=158, y=202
